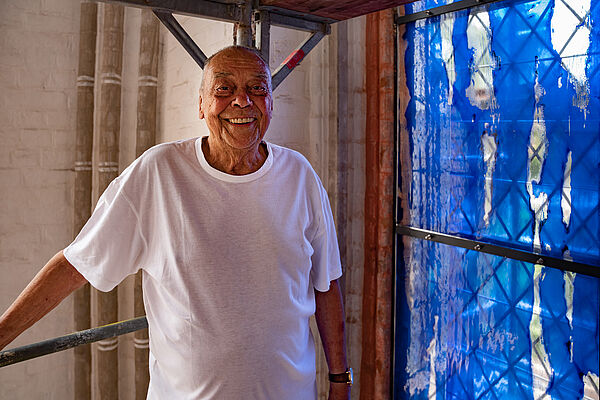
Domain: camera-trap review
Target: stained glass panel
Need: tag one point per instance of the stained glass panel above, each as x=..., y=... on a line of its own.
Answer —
x=504, y=129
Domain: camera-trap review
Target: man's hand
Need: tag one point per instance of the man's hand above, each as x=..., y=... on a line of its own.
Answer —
x=339, y=391
x=46, y=290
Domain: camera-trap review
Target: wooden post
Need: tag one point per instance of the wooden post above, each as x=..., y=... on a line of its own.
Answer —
x=108, y=168
x=82, y=202
x=145, y=138
x=379, y=213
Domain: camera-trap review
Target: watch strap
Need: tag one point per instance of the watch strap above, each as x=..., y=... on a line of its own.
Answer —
x=344, y=377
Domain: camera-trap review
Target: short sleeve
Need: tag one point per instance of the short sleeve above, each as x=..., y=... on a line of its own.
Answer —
x=326, y=264
x=110, y=245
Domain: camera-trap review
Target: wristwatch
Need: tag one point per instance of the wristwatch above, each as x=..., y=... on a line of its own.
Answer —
x=344, y=377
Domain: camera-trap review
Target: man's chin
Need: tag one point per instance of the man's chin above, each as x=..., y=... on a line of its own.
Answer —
x=243, y=141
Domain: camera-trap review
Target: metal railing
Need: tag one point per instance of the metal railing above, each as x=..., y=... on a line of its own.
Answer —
x=591, y=268
x=27, y=352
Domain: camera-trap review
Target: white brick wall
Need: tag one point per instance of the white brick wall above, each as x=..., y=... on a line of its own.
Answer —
x=38, y=63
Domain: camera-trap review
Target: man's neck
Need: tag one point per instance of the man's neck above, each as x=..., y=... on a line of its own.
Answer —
x=234, y=161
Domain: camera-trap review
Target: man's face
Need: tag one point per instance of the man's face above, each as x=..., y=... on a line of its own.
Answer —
x=236, y=99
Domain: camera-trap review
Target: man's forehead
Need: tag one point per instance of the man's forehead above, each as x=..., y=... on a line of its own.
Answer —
x=229, y=62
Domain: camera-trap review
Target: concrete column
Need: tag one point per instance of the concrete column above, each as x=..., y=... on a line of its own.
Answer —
x=111, y=63
x=82, y=203
x=145, y=138
x=351, y=163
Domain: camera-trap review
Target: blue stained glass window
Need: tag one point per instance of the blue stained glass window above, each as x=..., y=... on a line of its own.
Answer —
x=503, y=126
x=421, y=5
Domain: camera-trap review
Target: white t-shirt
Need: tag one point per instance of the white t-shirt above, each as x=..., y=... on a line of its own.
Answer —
x=230, y=264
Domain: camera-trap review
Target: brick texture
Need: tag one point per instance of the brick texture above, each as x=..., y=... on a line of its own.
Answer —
x=37, y=99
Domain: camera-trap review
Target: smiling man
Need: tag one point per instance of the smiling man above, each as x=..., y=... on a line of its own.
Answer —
x=237, y=245
x=236, y=102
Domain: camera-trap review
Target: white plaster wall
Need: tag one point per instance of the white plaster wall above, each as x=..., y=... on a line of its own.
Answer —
x=38, y=67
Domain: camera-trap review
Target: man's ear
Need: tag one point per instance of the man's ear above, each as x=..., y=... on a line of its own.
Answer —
x=200, y=112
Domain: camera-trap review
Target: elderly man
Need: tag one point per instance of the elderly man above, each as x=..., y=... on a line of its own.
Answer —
x=237, y=246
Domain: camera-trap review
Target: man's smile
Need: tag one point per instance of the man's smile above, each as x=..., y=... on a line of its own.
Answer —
x=240, y=121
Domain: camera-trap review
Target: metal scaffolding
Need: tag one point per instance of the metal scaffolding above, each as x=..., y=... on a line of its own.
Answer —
x=253, y=26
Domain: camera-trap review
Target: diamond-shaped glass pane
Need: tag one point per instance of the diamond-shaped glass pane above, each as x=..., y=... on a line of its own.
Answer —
x=503, y=126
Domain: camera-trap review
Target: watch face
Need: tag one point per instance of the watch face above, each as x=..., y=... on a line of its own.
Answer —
x=350, y=376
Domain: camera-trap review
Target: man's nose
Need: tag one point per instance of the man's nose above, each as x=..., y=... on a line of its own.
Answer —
x=241, y=99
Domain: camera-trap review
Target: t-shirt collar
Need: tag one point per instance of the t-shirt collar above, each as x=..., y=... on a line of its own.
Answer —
x=222, y=176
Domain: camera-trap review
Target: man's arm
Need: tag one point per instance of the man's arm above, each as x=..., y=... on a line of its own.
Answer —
x=330, y=321
x=46, y=290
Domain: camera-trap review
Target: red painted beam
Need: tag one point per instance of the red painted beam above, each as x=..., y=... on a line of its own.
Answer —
x=336, y=9
x=377, y=288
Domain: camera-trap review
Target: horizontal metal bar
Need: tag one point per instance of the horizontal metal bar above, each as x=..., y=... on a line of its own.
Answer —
x=294, y=59
x=195, y=8
x=302, y=24
x=503, y=251
x=229, y=12
x=297, y=14
x=181, y=35
x=66, y=342
x=448, y=8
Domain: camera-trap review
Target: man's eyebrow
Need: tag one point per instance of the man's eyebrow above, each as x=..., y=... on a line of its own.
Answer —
x=223, y=74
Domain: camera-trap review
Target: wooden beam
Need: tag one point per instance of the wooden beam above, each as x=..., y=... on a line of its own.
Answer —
x=379, y=215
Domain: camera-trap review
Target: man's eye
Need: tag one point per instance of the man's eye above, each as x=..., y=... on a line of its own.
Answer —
x=258, y=89
x=223, y=90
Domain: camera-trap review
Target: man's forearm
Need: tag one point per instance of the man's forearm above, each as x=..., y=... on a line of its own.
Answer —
x=330, y=321
x=46, y=290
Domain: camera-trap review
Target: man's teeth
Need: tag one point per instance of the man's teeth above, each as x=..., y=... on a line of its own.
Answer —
x=240, y=120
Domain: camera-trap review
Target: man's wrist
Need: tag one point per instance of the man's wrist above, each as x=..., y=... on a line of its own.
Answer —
x=345, y=377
